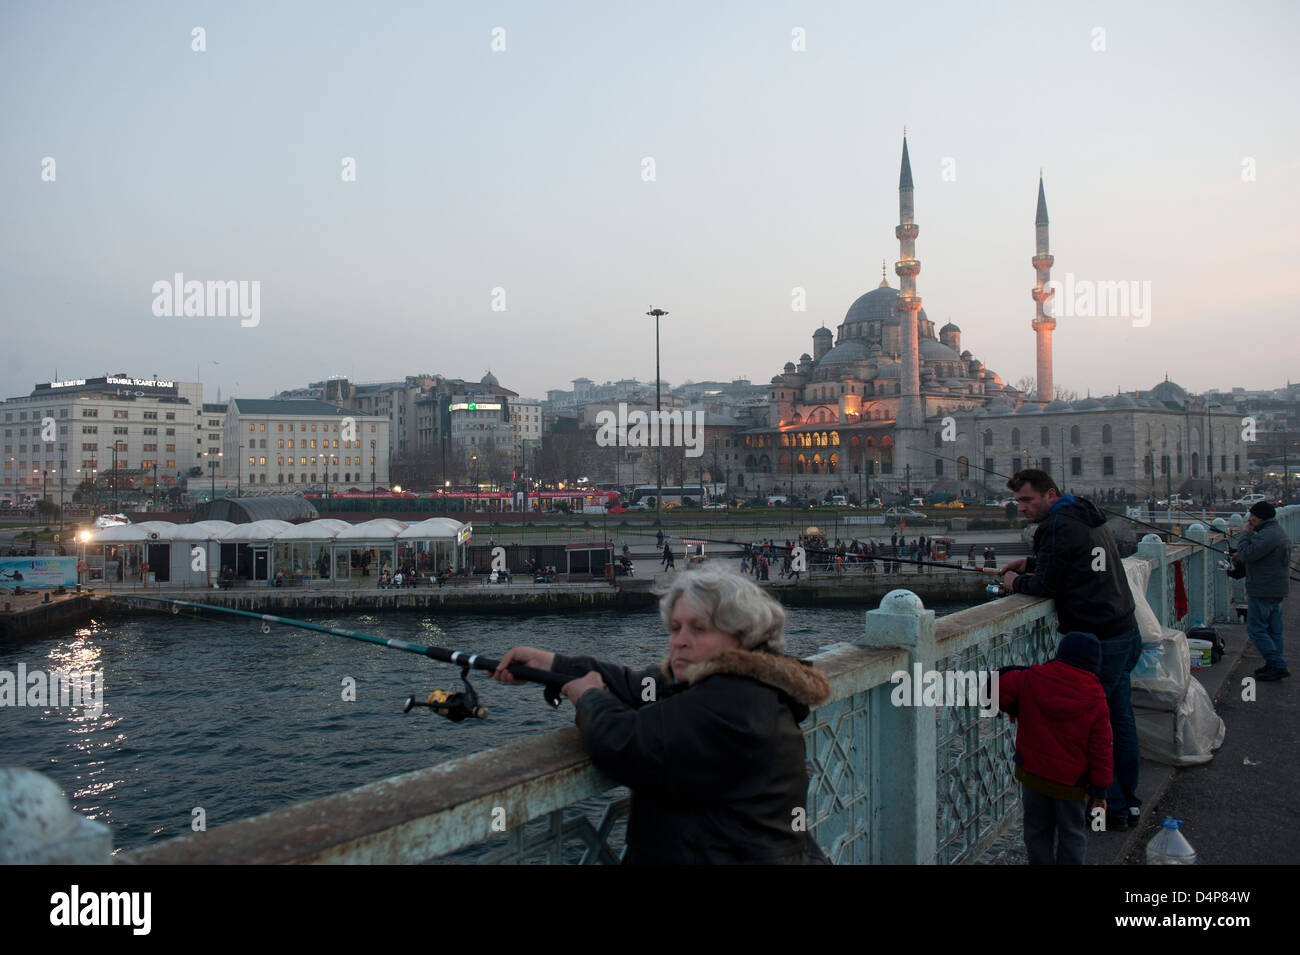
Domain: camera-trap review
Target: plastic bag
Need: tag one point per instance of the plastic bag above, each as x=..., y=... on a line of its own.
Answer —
x=1186, y=737
x=1162, y=673
x=1138, y=572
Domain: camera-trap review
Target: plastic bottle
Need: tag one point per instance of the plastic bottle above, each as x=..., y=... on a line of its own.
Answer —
x=1169, y=847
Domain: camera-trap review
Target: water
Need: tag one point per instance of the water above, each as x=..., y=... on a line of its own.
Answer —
x=208, y=712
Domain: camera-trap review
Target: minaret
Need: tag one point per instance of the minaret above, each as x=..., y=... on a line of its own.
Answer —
x=909, y=430
x=1044, y=323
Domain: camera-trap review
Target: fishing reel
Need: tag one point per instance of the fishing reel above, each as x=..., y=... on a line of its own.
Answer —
x=1232, y=568
x=456, y=706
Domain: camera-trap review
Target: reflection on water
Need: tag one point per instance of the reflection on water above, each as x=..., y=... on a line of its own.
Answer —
x=206, y=711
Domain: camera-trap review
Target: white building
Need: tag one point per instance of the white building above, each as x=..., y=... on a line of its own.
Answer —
x=301, y=444
x=115, y=429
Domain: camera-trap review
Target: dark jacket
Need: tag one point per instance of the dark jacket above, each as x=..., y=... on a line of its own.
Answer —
x=1096, y=601
x=1063, y=738
x=716, y=765
x=1266, y=552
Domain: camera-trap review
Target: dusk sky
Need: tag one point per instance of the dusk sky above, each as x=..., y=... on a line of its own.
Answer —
x=1166, y=133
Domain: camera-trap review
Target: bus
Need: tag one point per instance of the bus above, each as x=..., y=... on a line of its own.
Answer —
x=693, y=494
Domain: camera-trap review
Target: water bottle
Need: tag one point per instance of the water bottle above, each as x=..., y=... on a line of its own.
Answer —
x=1169, y=847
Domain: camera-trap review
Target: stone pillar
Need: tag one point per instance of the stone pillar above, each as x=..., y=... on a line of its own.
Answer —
x=1197, y=579
x=903, y=738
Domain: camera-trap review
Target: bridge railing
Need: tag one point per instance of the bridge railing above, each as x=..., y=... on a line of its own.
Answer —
x=889, y=783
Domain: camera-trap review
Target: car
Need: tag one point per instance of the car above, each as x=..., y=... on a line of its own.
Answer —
x=953, y=503
x=839, y=500
x=777, y=499
x=902, y=512
x=1248, y=500
x=715, y=506
x=918, y=502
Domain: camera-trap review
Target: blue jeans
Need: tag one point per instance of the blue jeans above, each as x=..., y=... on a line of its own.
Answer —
x=1119, y=655
x=1056, y=830
x=1264, y=624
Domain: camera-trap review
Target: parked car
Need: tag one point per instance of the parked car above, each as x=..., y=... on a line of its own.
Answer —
x=1250, y=499
x=715, y=506
x=952, y=503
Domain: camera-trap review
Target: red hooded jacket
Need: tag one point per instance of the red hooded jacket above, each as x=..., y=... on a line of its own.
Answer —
x=1063, y=734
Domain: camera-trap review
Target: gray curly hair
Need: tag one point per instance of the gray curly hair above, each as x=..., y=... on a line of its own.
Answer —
x=732, y=604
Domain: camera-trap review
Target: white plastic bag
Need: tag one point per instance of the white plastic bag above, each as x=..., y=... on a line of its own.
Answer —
x=1162, y=673
x=1186, y=737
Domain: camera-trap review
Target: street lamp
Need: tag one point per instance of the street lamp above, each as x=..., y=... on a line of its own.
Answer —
x=656, y=314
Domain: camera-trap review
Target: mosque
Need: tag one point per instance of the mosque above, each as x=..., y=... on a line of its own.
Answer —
x=887, y=407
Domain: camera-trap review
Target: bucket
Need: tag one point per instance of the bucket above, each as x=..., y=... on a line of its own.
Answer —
x=1201, y=650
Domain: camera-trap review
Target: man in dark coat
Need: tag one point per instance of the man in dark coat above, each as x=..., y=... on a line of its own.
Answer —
x=1265, y=551
x=1076, y=563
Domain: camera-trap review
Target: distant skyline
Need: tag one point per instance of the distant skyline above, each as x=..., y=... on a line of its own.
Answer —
x=519, y=176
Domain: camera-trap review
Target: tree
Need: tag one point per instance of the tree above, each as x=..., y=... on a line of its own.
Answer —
x=1061, y=393
x=1025, y=383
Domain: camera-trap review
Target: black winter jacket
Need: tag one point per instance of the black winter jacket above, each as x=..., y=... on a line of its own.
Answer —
x=1096, y=601
x=716, y=765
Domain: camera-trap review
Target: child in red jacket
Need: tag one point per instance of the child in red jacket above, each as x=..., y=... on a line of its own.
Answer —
x=1063, y=747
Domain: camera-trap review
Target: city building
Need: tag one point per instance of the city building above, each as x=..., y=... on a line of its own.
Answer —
x=135, y=434
x=303, y=444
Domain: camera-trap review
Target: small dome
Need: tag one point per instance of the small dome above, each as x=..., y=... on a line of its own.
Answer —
x=937, y=351
x=950, y=327
x=1028, y=408
x=1169, y=391
x=845, y=352
x=1088, y=404
x=1120, y=401
x=967, y=356
x=822, y=332
x=805, y=357
x=489, y=379
x=998, y=406
x=789, y=367
x=1055, y=406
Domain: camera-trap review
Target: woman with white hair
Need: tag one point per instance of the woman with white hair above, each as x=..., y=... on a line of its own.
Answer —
x=709, y=742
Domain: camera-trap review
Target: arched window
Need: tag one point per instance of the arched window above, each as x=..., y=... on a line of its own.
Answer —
x=1105, y=434
x=1015, y=437
x=988, y=437
x=1074, y=435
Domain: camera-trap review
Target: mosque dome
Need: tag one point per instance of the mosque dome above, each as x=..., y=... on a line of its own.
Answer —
x=1055, y=406
x=822, y=332
x=937, y=351
x=1028, y=408
x=878, y=306
x=950, y=327
x=789, y=368
x=490, y=380
x=1169, y=391
x=1088, y=404
x=998, y=406
x=847, y=351
x=805, y=357
x=1121, y=401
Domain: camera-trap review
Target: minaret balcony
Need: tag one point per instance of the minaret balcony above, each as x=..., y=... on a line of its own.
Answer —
x=907, y=302
x=1043, y=261
x=1042, y=294
x=909, y=230
x=1044, y=324
x=910, y=267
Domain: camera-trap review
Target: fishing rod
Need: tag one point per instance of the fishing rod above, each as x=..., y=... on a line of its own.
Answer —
x=1226, y=553
x=455, y=706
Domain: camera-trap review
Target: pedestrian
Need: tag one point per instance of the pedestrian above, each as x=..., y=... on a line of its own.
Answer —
x=659, y=538
x=1092, y=596
x=1063, y=747
x=709, y=743
x=668, y=557
x=1265, y=551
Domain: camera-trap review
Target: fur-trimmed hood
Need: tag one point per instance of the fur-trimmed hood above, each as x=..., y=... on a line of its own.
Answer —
x=800, y=683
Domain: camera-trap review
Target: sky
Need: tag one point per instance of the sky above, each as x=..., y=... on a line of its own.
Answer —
x=531, y=178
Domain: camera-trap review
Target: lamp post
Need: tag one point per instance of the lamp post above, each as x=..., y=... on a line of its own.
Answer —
x=62, y=467
x=656, y=314
x=212, y=471
x=155, y=484
x=239, y=470
x=115, y=476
